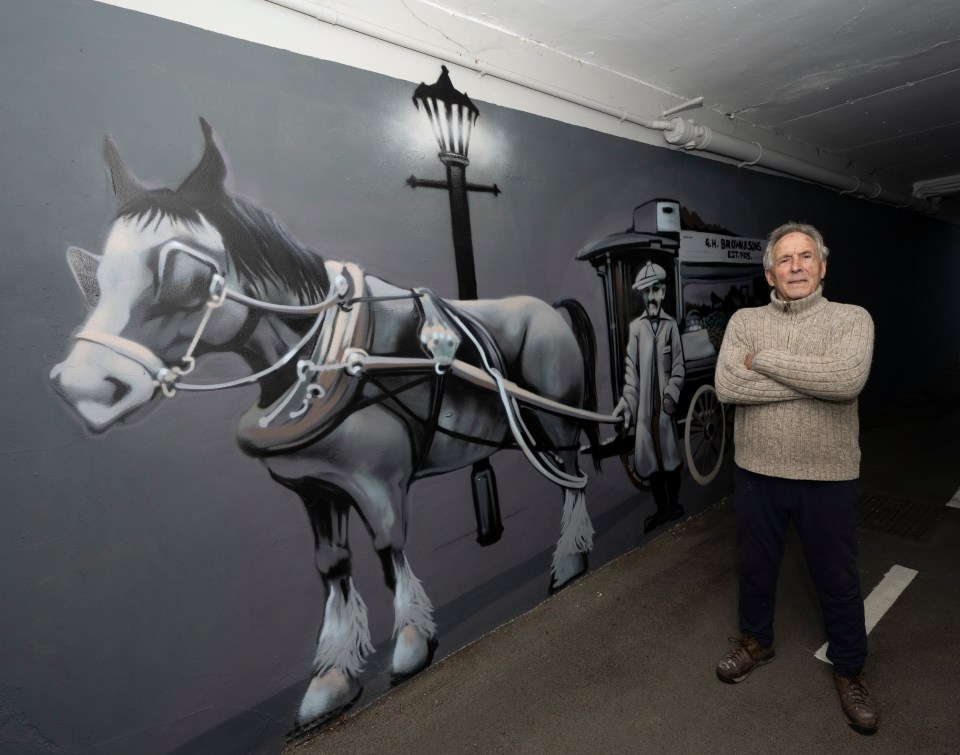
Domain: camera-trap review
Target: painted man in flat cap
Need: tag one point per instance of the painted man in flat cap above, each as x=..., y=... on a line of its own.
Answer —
x=654, y=375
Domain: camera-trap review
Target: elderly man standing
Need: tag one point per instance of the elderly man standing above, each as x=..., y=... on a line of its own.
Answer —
x=794, y=368
x=653, y=378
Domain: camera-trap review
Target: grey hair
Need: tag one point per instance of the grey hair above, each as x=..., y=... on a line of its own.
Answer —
x=778, y=233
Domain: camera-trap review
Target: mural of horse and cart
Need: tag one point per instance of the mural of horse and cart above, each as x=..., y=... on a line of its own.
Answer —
x=366, y=387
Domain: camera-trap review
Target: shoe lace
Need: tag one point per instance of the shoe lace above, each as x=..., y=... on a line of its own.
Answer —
x=738, y=653
x=857, y=690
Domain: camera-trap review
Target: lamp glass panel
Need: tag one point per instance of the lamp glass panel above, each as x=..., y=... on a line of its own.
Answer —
x=452, y=124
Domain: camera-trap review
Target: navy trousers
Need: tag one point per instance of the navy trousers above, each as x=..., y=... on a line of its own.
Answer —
x=825, y=515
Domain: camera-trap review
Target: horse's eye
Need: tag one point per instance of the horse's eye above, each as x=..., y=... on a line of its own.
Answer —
x=184, y=281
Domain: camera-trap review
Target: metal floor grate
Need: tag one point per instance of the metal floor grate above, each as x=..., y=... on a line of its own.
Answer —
x=895, y=516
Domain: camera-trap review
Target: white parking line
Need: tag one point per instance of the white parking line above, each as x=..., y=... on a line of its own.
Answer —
x=880, y=599
x=955, y=501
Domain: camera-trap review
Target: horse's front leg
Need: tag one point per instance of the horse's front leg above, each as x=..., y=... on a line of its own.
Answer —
x=344, y=637
x=381, y=500
x=343, y=644
x=414, y=630
x=379, y=484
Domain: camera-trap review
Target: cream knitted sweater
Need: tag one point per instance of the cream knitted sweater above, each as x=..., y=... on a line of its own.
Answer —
x=797, y=408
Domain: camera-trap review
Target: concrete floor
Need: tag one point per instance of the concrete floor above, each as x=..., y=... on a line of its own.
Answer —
x=623, y=660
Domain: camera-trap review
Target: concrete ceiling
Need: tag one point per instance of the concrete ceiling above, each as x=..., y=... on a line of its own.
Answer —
x=873, y=83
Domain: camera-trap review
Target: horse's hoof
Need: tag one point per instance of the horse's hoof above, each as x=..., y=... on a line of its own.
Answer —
x=412, y=652
x=327, y=695
x=567, y=569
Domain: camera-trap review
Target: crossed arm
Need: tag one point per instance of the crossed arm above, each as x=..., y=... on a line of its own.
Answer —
x=745, y=376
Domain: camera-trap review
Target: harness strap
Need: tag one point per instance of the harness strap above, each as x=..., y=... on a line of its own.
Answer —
x=337, y=290
x=481, y=378
x=125, y=347
x=441, y=342
x=520, y=432
x=357, y=361
x=257, y=376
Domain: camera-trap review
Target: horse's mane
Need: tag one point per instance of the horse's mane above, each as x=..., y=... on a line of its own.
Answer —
x=261, y=249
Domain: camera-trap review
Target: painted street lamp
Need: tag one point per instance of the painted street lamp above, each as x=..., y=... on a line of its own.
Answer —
x=452, y=116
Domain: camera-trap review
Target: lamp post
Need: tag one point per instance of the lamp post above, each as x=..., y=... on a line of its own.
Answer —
x=452, y=116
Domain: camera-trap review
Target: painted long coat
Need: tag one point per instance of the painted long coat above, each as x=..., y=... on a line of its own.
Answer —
x=646, y=382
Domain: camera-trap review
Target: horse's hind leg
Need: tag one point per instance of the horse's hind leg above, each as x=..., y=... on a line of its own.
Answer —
x=576, y=539
x=414, y=629
x=576, y=530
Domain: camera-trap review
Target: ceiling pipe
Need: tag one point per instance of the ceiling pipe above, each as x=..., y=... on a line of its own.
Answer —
x=690, y=135
x=937, y=187
x=679, y=132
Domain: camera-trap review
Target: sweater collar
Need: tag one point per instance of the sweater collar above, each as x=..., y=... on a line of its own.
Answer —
x=802, y=306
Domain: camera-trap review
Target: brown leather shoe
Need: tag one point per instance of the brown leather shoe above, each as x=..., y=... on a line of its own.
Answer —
x=860, y=707
x=736, y=665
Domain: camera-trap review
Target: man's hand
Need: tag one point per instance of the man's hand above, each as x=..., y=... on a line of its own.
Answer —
x=622, y=409
x=669, y=405
x=748, y=360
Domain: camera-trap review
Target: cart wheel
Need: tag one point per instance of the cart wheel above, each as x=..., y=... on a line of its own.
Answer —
x=705, y=434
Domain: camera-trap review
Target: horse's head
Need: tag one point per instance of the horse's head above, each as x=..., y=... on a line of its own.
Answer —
x=161, y=270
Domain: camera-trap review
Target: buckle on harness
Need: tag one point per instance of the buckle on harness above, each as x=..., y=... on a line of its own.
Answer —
x=218, y=291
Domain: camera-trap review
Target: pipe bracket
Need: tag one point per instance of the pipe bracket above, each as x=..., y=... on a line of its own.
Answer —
x=854, y=189
x=756, y=159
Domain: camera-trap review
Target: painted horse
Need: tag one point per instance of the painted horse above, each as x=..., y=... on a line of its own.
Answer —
x=365, y=387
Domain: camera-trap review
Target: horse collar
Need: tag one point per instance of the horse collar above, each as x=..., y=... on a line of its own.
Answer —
x=325, y=384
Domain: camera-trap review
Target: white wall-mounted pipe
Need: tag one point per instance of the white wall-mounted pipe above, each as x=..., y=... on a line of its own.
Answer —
x=689, y=135
x=937, y=187
x=678, y=131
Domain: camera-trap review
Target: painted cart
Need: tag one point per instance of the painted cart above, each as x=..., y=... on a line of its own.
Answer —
x=710, y=274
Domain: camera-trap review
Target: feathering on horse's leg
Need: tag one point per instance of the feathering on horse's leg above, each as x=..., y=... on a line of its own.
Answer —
x=576, y=539
x=344, y=638
x=414, y=630
x=343, y=644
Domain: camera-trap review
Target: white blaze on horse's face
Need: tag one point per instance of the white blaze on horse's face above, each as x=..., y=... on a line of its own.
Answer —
x=144, y=299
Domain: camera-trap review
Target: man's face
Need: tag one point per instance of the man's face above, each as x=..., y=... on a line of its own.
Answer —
x=797, y=268
x=653, y=298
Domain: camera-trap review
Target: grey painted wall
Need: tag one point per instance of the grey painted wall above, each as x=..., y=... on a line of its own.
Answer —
x=157, y=588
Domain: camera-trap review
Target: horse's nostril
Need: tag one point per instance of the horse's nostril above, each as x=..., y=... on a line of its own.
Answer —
x=120, y=389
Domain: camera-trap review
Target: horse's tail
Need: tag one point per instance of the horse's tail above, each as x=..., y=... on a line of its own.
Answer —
x=587, y=340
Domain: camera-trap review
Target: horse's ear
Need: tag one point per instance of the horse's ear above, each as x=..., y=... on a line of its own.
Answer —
x=125, y=185
x=209, y=175
x=83, y=265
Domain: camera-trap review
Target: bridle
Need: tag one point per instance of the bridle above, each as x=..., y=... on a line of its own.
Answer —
x=168, y=376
